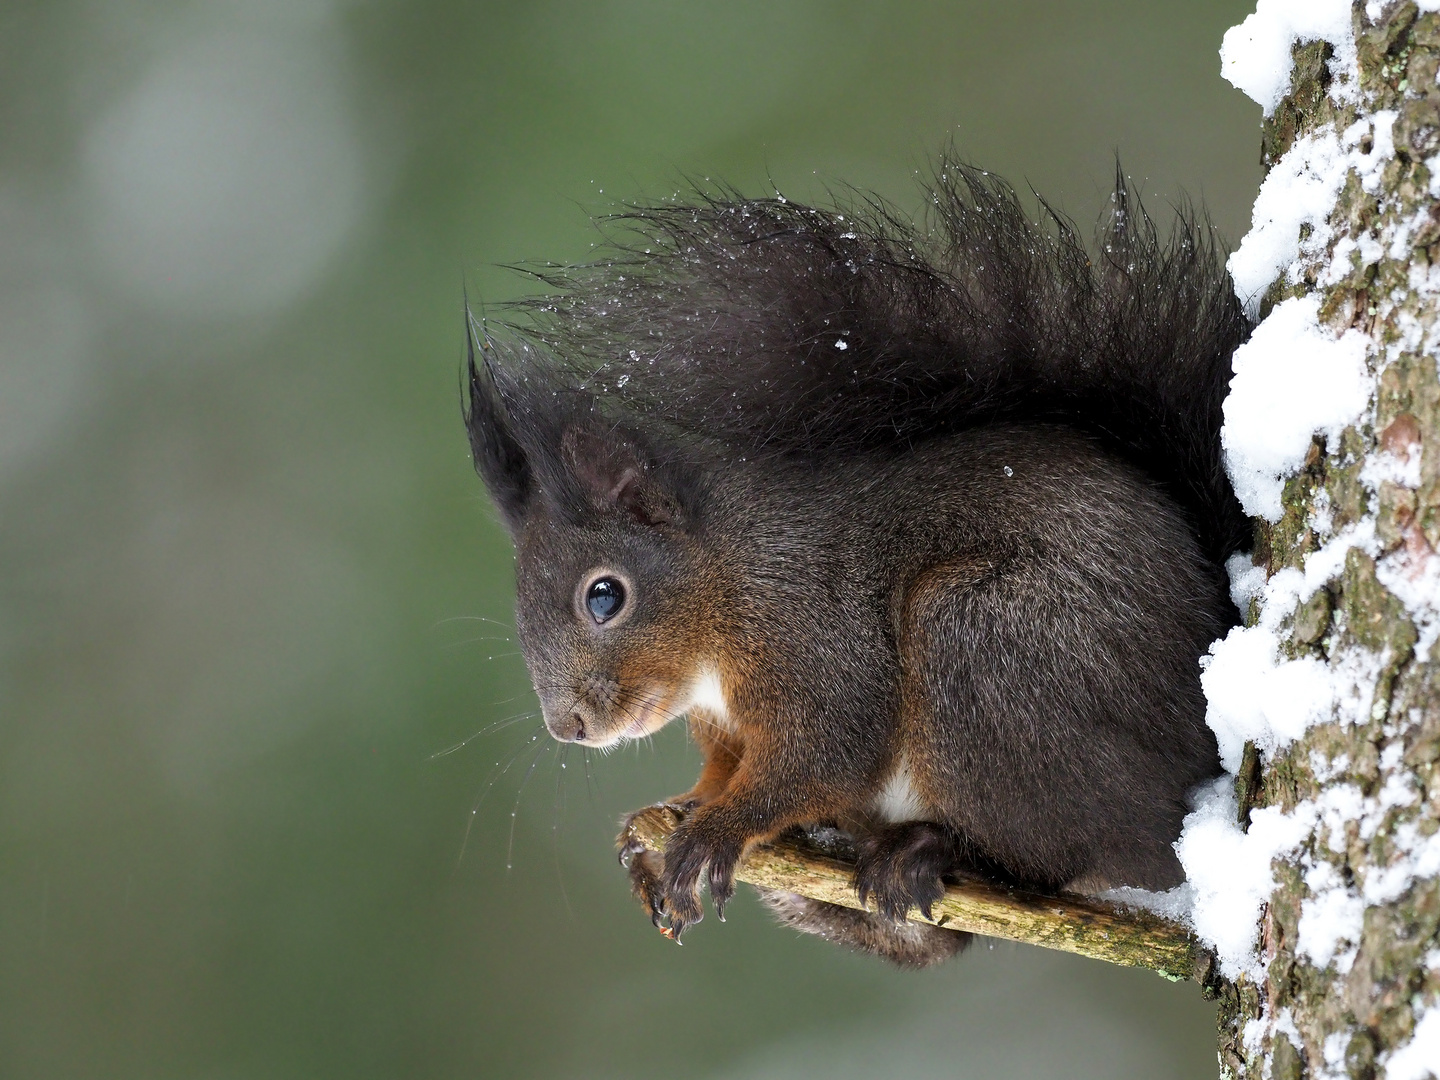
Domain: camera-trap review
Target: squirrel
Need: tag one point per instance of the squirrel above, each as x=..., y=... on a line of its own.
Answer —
x=921, y=525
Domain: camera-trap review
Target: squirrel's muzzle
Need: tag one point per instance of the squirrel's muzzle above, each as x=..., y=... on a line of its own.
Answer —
x=600, y=712
x=586, y=717
x=568, y=727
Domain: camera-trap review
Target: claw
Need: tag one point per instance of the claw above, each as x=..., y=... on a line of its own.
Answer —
x=903, y=867
x=626, y=849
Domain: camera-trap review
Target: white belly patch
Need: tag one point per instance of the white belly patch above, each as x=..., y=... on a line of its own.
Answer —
x=707, y=695
x=897, y=800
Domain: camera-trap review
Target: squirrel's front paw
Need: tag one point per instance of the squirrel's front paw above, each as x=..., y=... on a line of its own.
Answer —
x=646, y=870
x=697, y=848
x=645, y=865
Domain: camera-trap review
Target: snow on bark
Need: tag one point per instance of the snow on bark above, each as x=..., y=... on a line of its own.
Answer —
x=1314, y=866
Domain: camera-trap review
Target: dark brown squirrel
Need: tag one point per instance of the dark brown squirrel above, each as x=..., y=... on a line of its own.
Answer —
x=920, y=525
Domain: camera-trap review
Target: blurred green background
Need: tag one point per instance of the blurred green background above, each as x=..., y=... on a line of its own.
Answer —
x=250, y=586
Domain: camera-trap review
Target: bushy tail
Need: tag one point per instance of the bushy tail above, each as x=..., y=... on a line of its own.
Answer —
x=768, y=326
x=905, y=944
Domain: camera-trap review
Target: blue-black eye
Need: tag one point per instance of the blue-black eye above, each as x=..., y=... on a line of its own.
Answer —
x=605, y=598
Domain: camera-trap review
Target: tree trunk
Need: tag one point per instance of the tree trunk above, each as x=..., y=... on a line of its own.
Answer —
x=1344, y=974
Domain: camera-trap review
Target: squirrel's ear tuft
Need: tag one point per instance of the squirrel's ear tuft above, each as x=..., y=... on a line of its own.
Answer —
x=615, y=476
x=499, y=458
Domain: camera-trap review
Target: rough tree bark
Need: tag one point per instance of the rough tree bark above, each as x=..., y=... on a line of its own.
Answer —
x=1368, y=786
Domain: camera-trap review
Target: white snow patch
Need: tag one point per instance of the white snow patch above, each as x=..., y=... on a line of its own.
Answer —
x=1322, y=514
x=1413, y=577
x=1177, y=904
x=1255, y=695
x=1282, y=1023
x=1381, y=128
x=1375, y=8
x=1385, y=467
x=1299, y=194
x=1255, y=56
x=1417, y=856
x=1327, y=769
x=1331, y=915
x=1231, y=872
x=1299, y=190
x=1247, y=581
x=1420, y=1057
x=1325, y=564
x=1334, y=1050
x=1292, y=380
x=1343, y=804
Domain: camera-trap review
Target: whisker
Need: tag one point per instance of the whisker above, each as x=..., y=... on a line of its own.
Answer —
x=702, y=719
x=556, y=686
x=515, y=809
x=506, y=701
x=555, y=828
x=477, y=640
x=591, y=785
x=495, y=774
x=474, y=618
x=486, y=730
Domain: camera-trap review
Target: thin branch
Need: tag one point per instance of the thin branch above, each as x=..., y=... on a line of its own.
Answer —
x=1067, y=922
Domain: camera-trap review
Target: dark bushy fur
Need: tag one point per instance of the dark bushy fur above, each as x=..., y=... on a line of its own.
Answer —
x=721, y=318
x=908, y=944
x=977, y=547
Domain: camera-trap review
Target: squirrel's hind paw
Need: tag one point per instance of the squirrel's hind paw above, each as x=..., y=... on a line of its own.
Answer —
x=902, y=866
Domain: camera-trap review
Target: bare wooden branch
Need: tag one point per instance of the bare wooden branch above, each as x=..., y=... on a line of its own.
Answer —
x=1070, y=923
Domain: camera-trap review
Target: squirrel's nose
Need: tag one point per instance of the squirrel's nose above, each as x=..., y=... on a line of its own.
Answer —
x=568, y=728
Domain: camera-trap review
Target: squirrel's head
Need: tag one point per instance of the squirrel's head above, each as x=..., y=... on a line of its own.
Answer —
x=616, y=601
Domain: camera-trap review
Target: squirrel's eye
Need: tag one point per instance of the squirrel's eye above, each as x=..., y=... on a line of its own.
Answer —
x=605, y=598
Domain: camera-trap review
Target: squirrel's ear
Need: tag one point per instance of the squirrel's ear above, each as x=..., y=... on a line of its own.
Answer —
x=616, y=477
x=499, y=458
